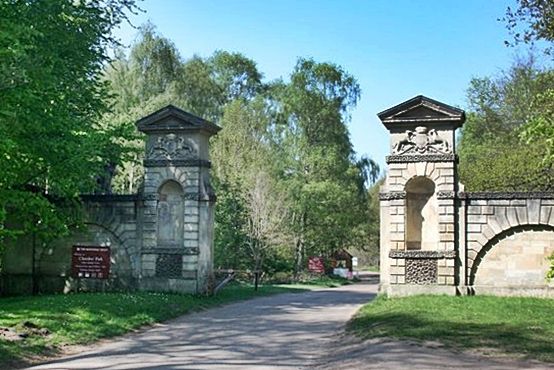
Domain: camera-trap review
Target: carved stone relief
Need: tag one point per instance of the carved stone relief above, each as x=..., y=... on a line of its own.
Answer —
x=171, y=147
x=421, y=141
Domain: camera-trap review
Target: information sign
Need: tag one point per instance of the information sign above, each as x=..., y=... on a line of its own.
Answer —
x=89, y=261
x=315, y=264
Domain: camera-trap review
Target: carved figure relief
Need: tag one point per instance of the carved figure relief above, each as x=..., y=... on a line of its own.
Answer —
x=421, y=141
x=171, y=147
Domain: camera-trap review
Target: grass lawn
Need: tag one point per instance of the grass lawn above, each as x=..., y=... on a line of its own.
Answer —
x=85, y=317
x=523, y=327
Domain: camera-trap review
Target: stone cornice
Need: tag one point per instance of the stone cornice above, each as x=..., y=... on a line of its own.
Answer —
x=417, y=254
x=200, y=197
x=177, y=163
x=407, y=158
x=190, y=251
x=187, y=196
x=506, y=195
x=446, y=195
x=392, y=195
x=105, y=198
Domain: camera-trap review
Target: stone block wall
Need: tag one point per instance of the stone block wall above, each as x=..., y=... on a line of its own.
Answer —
x=160, y=239
x=520, y=224
x=399, y=265
x=435, y=238
x=111, y=220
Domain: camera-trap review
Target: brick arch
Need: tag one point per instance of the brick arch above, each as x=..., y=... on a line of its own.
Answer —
x=54, y=261
x=492, y=242
x=441, y=173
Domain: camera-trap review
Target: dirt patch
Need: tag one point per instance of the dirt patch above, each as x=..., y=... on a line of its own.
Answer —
x=10, y=335
x=350, y=352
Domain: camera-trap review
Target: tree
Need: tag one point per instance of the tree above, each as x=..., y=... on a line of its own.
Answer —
x=493, y=155
x=531, y=21
x=537, y=17
x=319, y=168
x=53, y=145
x=154, y=74
x=244, y=167
x=284, y=168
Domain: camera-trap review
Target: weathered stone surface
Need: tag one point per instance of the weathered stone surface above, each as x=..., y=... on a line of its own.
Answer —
x=468, y=225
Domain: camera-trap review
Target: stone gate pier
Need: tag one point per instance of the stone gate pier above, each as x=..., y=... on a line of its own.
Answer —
x=437, y=238
x=160, y=239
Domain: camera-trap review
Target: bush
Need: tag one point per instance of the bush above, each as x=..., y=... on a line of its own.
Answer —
x=281, y=277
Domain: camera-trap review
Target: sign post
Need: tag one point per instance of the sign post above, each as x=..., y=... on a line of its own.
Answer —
x=316, y=265
x=355, y=265
x=90, y=262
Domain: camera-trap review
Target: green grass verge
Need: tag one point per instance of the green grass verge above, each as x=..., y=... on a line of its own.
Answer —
x=523, y=327
x=323, y=281
x=86, y=317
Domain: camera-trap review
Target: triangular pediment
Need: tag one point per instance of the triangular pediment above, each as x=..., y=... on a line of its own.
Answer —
x=171, y=118
x=422, y=110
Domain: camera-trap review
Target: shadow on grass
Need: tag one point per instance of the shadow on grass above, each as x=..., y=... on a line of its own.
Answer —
x=515, y=339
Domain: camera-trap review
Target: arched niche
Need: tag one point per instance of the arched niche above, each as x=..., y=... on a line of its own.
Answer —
x=170, y=213
x=422, y=224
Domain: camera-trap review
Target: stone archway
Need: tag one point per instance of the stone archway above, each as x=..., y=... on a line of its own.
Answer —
x=514, y=259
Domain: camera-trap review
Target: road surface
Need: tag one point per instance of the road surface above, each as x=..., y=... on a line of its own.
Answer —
x=286, y=331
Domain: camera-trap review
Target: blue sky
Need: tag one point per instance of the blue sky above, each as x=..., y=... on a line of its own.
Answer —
x=396, y=49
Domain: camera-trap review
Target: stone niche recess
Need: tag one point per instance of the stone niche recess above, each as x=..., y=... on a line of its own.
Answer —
x=436, y=238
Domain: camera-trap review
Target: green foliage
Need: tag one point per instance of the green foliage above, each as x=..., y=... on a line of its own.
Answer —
x=53, y=145
x=154, y=74
x=512, y=325
x=550, y=273
x=287, y=179
x=325, y=183
x=531, y=21
x=499, y=148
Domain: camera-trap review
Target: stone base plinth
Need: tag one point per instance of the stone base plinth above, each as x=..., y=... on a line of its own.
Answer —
x=413, y=289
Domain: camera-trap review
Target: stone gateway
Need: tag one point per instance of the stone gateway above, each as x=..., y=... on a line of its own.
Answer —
x=436, y=238
x=160, y=239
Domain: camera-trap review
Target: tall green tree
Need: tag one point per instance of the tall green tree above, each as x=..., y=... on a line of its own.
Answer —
x=529, y=22
x=493, y=155
x=53, y=144
x=244, y=164
x=319, y=165
x=154, y=74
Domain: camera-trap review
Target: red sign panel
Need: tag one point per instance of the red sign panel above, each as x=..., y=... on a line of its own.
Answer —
x=90, y=262
x=315, y=264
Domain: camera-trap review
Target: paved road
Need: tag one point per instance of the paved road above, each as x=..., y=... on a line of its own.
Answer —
x=288, y=331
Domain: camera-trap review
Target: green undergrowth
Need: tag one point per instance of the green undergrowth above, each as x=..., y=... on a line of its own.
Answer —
x=51, y=321
x=323, y=281
x=521, y=327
